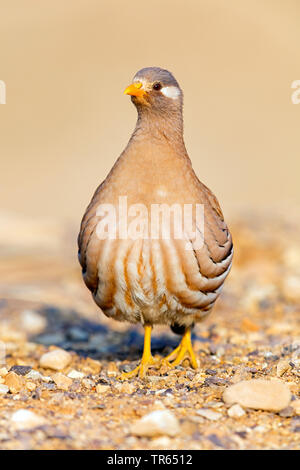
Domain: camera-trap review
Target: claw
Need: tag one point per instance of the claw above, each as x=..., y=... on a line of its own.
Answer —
x=183, y=351
x=141, y=370
x=147, y=359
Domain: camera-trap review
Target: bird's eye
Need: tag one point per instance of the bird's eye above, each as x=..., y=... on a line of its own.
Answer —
x=157, y=86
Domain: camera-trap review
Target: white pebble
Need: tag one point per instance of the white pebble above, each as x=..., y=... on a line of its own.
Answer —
x=33, y=375
x=236, y=411
x=3, y=372
x=259, y=394
x=75, y=374
x=101, y=388
x=209, y=414
x=156, y=423
x=57, y=359
x=25, y=419
x=3, y=389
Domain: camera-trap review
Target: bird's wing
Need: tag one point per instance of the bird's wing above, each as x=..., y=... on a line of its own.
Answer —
x=88, y=244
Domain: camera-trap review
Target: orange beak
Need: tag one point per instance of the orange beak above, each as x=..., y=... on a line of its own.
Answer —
x=135, y=89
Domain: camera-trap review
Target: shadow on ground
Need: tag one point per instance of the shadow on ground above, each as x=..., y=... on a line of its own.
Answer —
x=68, y=330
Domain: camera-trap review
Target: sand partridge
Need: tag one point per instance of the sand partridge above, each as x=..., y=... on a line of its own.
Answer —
x=137, y=269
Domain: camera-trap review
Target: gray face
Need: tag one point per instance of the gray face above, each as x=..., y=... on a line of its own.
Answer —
x=162, y=92
x=156, y=74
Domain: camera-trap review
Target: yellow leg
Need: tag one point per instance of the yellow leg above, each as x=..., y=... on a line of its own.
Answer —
x=183, y=351
x=147, y=358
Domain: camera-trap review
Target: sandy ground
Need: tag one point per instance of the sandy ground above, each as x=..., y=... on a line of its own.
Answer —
x=253, y=333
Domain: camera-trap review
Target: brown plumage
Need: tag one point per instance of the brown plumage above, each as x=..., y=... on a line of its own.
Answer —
x=156, y=281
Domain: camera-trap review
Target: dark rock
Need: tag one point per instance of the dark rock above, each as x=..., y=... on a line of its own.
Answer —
x=215, y=381
x=20, y=370
x=252, y=370
x=287, y=412
x=36, y=395
x=166, y=392
x=211, y=372
x=253, y=353
x=216, y=440
x=50, y=386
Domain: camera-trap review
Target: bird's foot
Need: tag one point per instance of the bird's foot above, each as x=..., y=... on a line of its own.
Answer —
x=147, y=358
x=182, y=352
x=141, y=370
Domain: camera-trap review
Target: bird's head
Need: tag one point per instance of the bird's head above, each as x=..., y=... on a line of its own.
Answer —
x=155, y=89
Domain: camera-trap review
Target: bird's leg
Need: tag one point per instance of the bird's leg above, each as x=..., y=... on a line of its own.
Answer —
x=183, y=351
x=147, y=358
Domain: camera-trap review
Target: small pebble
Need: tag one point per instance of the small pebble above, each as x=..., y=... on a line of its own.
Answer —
x=46, y=378
x=25, y=420
x=3, y=389
x=75, y=374
x=209, y=414
x=20, y=370
x=211, y=372
x=156, y=423
x=125, y=387
x=236, y=411
x=112, y=370
x=88, y=383
x=31, y=386
x=3, y=372
x=282, y=367
x=261, y=429
x=296, y=405
x=14, y=382
x=287, y=412
x=57, y=359
x=259, y=394
x=34, y=375
x=62, y=381
x=268, y=355
x=162, y=442
x=100, y=388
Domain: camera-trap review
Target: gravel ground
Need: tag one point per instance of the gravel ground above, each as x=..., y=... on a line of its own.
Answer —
x=73, y=399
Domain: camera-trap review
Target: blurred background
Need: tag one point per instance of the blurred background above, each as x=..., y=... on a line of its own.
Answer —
x=66, y=120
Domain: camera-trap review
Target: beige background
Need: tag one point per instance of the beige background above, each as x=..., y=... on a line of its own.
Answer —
x=66, y=64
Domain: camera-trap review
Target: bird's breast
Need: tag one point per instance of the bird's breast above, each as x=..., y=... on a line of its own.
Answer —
x=164, y=277
x=143, y=248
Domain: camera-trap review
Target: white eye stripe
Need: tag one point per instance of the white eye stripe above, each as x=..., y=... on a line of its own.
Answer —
x=171, y=91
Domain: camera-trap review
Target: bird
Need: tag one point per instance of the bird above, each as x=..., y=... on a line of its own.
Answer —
x=152, y=278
